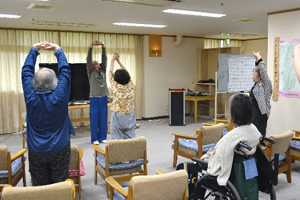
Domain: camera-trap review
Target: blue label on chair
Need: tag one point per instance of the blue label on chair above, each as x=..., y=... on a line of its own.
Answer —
x=250, y=168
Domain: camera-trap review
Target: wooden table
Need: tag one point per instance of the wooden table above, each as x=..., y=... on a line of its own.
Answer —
x=81, y=107
x=195, y=99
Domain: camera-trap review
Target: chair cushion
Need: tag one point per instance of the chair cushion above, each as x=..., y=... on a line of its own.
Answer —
x=73, y=172
x=193, y=145
x=119, y=166
x=281, y=157
x=15, y=167
x=295, y=145
x=118, y=196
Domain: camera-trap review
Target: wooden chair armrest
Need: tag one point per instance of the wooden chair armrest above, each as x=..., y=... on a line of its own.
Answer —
x=115, y=185
x=80, y=151
x=159, y=172
x=19, y=154
x=296, y=138
x=98, y=149
x=196, y=129
x=208, y=124
x=297, y=133
x=184, y=136
x=222, y=121
x=73, y=187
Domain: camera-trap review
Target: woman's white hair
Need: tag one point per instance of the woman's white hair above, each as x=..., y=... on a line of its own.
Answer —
x=44, y=79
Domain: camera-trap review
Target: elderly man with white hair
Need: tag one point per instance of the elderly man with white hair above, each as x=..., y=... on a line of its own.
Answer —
x=49, y=127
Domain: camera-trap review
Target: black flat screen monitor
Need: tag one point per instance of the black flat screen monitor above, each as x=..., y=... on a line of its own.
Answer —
x=80, y=87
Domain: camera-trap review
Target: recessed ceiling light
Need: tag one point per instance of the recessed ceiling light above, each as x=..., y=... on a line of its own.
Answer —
x=246, y=20
x=46, y=23
x=9, y=16
x=196, y=13
x=139, y=25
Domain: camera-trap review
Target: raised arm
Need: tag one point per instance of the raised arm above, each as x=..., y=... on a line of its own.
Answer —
x=114, y=58
x=121, y=65
x=262, y=67
x=104, y=56
x=296, y=55
x=89, y=55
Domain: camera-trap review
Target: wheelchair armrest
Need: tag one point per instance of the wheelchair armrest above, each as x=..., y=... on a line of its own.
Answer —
x=200, y=162
x=276, y=167
x=241, y=144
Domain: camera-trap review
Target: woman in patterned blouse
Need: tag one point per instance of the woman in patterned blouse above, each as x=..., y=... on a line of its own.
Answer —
x=122, y=120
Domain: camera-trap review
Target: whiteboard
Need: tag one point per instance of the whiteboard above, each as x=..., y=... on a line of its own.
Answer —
x=235, y=72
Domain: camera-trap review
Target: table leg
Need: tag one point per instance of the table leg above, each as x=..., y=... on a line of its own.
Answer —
x=195, y=111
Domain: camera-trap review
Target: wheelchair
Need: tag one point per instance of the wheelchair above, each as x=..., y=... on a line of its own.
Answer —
x=207, y=186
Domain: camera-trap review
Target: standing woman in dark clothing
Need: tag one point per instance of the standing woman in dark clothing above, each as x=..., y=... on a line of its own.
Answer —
x=260, y=94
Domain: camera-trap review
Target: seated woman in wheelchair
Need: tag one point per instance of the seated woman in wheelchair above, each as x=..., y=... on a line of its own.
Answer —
x=221, y=161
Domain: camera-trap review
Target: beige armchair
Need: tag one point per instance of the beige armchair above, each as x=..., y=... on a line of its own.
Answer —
x=12, y=169
x=195, y=146
x=62, y=191
x=122, y=159
x=282, y=147
x=76, y=156
x=295, y=146
x=24, y=136
x=171, y=186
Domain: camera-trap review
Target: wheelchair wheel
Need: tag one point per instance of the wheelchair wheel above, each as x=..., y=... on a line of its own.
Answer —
x=273, y=194
x=268, y=195
x=207, y=188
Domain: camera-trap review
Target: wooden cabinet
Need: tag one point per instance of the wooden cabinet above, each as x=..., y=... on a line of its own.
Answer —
x=208, y=61
x=206, y=108
x=207, y=67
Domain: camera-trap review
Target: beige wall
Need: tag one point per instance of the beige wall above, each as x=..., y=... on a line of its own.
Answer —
x=176, y=69
x=285, y=111
x=256, y=45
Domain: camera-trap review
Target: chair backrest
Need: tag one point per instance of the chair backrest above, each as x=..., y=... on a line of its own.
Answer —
x=24, y=124
x=3, y=157
x=63, y=191
x=282, y=142
x=165, y=186
x=212, y=134
x=74, y=161
x=126, y=150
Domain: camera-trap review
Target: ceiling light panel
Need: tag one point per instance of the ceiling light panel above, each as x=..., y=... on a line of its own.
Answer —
x=11, y=16
x=246, y=20
x=139, y=25
x=195, y=13
x=40, y=6
x=46, y=23
x=160, y=3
